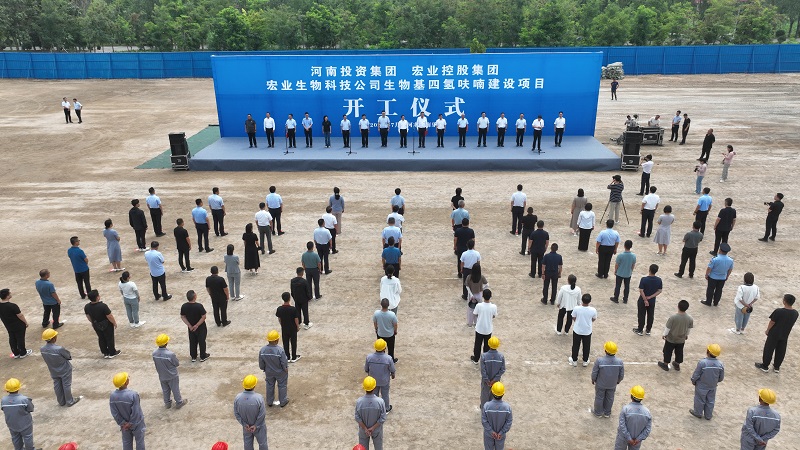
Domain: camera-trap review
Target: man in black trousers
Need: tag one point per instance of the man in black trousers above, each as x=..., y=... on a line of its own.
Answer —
x=685, y=128
x=217, y=289
x=780, y=325
x=708, y=142
x=537, y=246
x=301, y=293
x=461, y=236
x=774, y=212
x=250, y=129
x=726, y=219
x=138, y=223
x=184, y=244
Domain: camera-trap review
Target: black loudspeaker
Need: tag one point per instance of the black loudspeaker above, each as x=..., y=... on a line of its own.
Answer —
x=634, y=137
x=630, y=160
x=178, y=144
x=630, y=148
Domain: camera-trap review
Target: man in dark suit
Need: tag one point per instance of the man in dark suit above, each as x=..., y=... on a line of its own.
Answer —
x=301, y=293
x=685, y=128
x=139, y=224
x=708, y=142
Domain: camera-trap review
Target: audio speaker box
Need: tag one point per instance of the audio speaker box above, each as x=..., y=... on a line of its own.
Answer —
x=630, y=161
x=634, y=137
x=630, y=148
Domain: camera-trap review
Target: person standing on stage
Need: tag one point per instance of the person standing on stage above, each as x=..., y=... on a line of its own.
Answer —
x=269, y=129
x=291, y=130
x=402, y=128
x=67, y=114
x=774, y=212
x=156, y=211
x=685, y=128
x=308, y=122
x=326, y=131
x=139, y=224
x=275, y=208
x=502, y=126
x=559, y=124
x=676, y=124
x=217, y=206
x=537, y=125
x=345, y=126
x=614, y=86
x=200, y=219
x=518, y=203
x=250, y=129
x=383, y=127
x=363, y=125
x=521, y=125
x=80, y=265
x=441, y=126
x=483, y=128
x=463, y=125
x=606, y=247
x=422, y=128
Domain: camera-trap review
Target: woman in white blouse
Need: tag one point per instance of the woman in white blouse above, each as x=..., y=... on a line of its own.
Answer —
x=746, y=295
x=585, y=227
x=130, y=297
x=391, y=289
x=567, y=299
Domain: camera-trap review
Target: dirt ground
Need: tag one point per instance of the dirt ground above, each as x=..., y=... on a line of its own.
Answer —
x=61, y=180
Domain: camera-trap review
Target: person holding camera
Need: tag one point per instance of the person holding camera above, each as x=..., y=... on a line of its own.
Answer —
x=615, y=197
x=775, y=208
x=746, y=295
x=700, y=169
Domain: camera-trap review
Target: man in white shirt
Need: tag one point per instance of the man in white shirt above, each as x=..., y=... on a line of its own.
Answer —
x=537, y=125
x=654, y=121
x=648, y=209
x=485, y=311
x=463, y=125
x=330, y=225
x=322, y=239
x=363, y=125
x=422, y=128
x=402, y=128
x=383, y=128
x=502, y=126
x=67, y=114
x=582, y=318
x=156, y=211
x=559, y=124
x=468, y=259
x=308, y=124
x=521, y=126
x=78, y=107
x=518, y=203
x=483, y=128
x=269, y=129
x=264, y=223
x=398, y=218
x=344, y=125
x=440, y=125
x=291, y=129
x=676, y=125
x=647, y=168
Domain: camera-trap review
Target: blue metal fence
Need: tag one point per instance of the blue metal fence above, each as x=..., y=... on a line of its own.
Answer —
x=636, y=60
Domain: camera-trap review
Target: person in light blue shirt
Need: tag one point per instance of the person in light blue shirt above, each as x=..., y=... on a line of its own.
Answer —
x=80, y=265
x=399, y=201
x=392, y=231
x=623, y=269
x=458, y=215
x=275, y=208
x=717, y=273
x=156, y=211
x=702, y=208
x=217, y=206
x=606, y=247
x=383, y=126
x=345, y=126
x=308, y=122
x=50, y=300
x=291, y=129
x=200, y=219
x=155, y=261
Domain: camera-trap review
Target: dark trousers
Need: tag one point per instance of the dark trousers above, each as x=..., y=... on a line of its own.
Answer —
x=772, y=228
x=309, y=137
x=67, y=115
x=389, y=344
x=705, y=153
x=365, y=138
x=559, y=135
x=439, y=138
x=520, y=136
x=197, y=338
x=776, y=346
x=422, y=132
x=82, y=279
x=276, y=217
x=384, y=136
x=714, y=291
x=480, y=339
x=684, y=132
x=48, y=309
x=16, y=339
x=536, y=262
x=162, y=281
x=465, y=273
x=720, y=237
x=219, y=221
x=270, y=136
x=346, y=138
x=561, y=314
x=202, y=235
x=618, y=284
x=140, y=240
x=525, y=233
x=220, y=311
x=549, y=280
x=482, y=136
x=302, y=311
x=537, y=139
x=613, y=95
x=606, y=252
x=252, y=138
x=577, y=341
x=583, y=238
x=645, y=311
x=644, y=186
x=183, y=258
x=688, y=254
x=516, y=218
x=290, y=135
x=289, y=336
x=155, y=215
x=701, y=217
x=403, y=138
x=647, y=222
x=312, y=276
x=458, y=260
x=462, y=137
x=674, y=135
x=105, y=339
x=265, y=233
x=669, y=347
x=333, y=238
x=323, y=250
x=501, y=137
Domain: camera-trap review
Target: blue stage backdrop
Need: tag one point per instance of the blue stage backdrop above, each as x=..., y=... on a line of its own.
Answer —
x=449, y=84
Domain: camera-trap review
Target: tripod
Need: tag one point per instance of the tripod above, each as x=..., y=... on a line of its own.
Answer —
x=413, y=149
x=623, y=209
x=286, y=138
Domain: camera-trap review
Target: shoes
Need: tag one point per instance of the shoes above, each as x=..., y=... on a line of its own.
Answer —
x=74, y=400
x=598, y=275
x=285, y=403
x=168, y=405
x=572, y=362
x=181, y=404
x=521, y=253
x=204, y=358
x=389, y=408
x=114, y=355
x=557, y=332
x=161, y=234
x=637, y=331
x=271, y=252
x=194, y=359
x=190, y=269
x=27, y=353
x=614, y=299
x=585, y=363
x=606, y=416
x=226, y=323
x=281, y=233
x=512, y=231
x=140, y=323
x=734, y=331
x=664, y=366
x=308, y=325
x=772, y=239
x=775, y=370
x=58, y=325
x=544, y=301
x=712, y=253
x=394, y=359
x=763, y=368
x=209, y=250
x=223, y=234
x=647, y=333
x=706, y=303
x=699, y=416
x=167, y=297
x=532, y=275
x=676, y=366
x=678, y=275
x=474, y=361
x=328, y=272
x=319, y=296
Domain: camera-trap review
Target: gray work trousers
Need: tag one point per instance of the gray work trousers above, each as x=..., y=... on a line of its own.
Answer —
x=23, y=440
x=490, y=443
x=377, y=438
x=265, y=232
x=622, y=444
x=383, y=391
x=131, y=309
x=63, y=388
x=128, y=436
x=704, y=401
x=171, y=386
x=486, y=393
x=282, y=382
x=748, y=443
x=260, y=436
x=614, y=213
x=234, y=280
x=603, y=400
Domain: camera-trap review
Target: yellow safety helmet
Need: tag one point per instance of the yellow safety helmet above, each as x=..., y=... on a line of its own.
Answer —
x=369, y=384
x=273, y=336
x=610, y=347
x=249, y=382
x=120, y=379
x=766, y=395
x=162, y=340
x=637, y=392
x=49, y=334
x=13, y=385
x=494, y=342
x=498, y=389
x=380, y=345
x=714, y=349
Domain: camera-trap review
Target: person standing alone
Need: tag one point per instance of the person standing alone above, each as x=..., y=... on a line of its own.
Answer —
x=559, y=124
x=518, y=203
x=780, y=326
x=138, y=222
x=773, y=213
x=217, y=289
x=250, y=129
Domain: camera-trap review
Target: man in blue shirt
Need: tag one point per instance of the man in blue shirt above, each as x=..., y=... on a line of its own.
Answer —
x=702, y=208
x=551, y=272
x=392, y=256
x=649, y=288
x=275, y=207
x=458, y=215
x=308, y=122
x=217, y=206
x=717, y=273
x=399, y=201
x=156, y=211
x=383, y=127
x=155, y=261
x=623, y=270
x=391, y=231
x=80, y=264
x=200, y=219
x=50, y=300
x=606, y=248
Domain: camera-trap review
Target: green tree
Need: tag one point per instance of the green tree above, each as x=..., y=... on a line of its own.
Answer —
x=284, y=27
x=229, y=30
x=754, y=24
x=611, y=27
x=321, y=27
x=679, y=22
x=17, y=23
x=549, y=24
x=717, y=24
x=644, y=25
x=454, y=33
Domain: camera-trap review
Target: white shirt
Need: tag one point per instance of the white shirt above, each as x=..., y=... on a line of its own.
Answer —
x=676, y=120
x=568, y=298
x=483, y=122
x=647, y=166
x=263, y=218
x=521, y=123
x=519, y=198
x=322, y=236
x=502, y=122
x=330, y=220
x=746, y=295
x=383, y=122
x=398, y=219
x=391, y=289
x=129, y=289
x=653, y=122
x=65, y=104
x=402, y=124
x=291, y=124
x=345, y=125
x=650, y=201
x=537, y=124
x=363, y=124
x=422, y=122
x=560, y=122
x=486, y=312
x=582, y=317
x=441, y=124
x=586, y=220
x=462, y=123
x=469, y=258
x=269, y=122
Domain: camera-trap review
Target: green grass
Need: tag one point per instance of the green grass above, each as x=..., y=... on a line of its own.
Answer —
x=196, y=143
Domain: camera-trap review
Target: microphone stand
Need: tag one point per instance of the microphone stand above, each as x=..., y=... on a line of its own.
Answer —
x=286, y=135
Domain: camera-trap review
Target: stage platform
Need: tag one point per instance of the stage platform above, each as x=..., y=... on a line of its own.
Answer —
x=578, y=153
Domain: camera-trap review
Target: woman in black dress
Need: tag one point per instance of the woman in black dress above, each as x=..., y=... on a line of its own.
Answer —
x=251, y=261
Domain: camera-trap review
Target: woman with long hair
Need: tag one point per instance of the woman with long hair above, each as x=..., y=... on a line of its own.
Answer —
x=391, y=288
x=251, y=260
x=577, y=206
x=475, y=283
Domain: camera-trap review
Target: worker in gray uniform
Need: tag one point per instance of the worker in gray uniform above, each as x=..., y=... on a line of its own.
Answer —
x=273, y=361
x=249, y=410
x=17, y=409
x=493, y=366
x=370, y=415
x=167, y=367
x=762, y=422
x=635, y=422
x=380, y=366
x=58, y=360
x=708, y=373
x=496, y=418
x=607, y=372
x=127, y=412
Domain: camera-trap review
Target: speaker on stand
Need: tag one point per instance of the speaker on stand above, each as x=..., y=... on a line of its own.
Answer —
x=630, y=151
x=180, y=151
